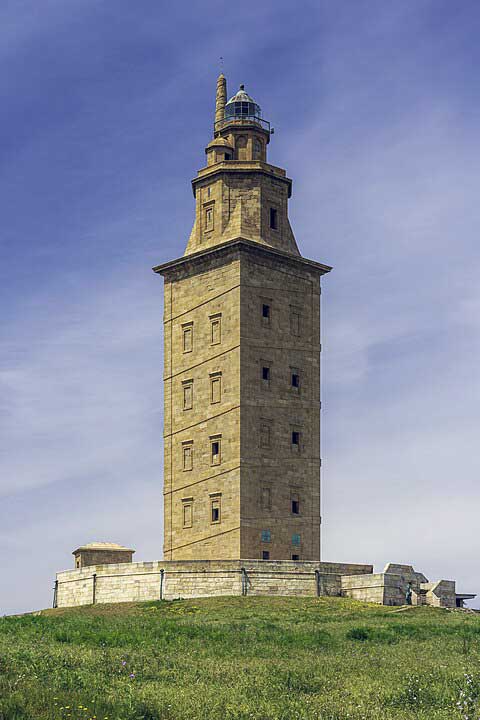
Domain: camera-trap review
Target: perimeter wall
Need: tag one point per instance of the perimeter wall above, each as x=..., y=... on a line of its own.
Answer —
x=170, y=580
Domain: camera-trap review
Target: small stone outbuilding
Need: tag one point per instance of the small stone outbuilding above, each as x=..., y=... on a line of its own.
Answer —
x=101, y=553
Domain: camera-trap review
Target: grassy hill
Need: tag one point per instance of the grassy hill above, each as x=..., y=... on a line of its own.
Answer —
x=238, y=659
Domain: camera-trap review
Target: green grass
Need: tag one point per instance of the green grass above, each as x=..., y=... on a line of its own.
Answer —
x=239, y=659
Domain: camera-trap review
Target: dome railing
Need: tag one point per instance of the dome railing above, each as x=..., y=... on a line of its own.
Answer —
x=242, y=120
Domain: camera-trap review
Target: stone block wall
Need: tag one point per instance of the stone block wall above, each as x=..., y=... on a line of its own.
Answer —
x=441, y=593
x=273, y=470
x=390, y=588
x=143, y=581
x=367, y=588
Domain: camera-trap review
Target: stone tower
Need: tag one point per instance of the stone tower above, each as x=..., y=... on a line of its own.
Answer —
x=242, y=360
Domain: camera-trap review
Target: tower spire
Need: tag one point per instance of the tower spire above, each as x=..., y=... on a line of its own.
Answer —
x=220, y=98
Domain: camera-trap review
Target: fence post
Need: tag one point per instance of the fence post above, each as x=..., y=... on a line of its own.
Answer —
x=55, y=594
x=318, y=582
x=94, y=588
x=162, y=574
x=244, y=581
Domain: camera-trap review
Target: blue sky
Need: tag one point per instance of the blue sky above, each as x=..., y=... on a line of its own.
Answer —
x=106, y=109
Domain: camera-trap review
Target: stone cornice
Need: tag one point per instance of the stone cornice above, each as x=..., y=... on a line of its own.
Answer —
x=243, y=167
x=240, y=244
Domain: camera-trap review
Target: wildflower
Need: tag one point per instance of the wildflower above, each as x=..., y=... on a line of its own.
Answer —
x=132, y=675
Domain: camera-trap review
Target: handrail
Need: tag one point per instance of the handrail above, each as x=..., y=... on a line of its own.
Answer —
x=240, y=120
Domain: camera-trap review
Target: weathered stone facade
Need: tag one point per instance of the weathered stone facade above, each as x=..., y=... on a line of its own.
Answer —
x=170, y=580
x=242, y=366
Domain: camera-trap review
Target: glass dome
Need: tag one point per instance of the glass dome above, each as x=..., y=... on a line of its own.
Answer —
x=241, y=106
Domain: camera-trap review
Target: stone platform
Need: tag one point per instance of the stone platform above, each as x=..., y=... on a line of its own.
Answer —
x=170, y=580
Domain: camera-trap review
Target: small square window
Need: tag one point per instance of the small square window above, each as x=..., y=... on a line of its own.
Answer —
x=295, y=557
x=228, y=156
x=187, y=394
x=215, y=509
x=187, y=343
x=216, y=388
x=273, y=219
x=266, y=537
x=187, y=449
x=296, y=539
x=216, y=450
x=265, y=555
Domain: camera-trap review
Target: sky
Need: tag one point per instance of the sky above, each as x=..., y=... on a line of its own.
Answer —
x=106, y=110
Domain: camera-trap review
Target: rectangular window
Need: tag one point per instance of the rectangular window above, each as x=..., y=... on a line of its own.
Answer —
x=187, y=386
x=295, y=321
x=295, y=440
x=266, y=498
x=265, y=555
x=266, y=537
x=296, y=539
x=273, y=219
x=215, y=387
x=265, y=434
x=215, y=329
x=187, y=450
x=187, y=343
x=295, y=504
x=266, y=374
x=265, y=311
x=209, y=218
x=187, y=512
x=295, y=557
x=295, y=378
x=215, y=508
x=216, y=449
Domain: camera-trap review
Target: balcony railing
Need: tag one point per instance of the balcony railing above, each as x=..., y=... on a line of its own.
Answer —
x=242, y=120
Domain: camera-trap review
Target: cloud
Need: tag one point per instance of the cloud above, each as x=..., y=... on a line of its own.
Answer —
x=80, y=398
